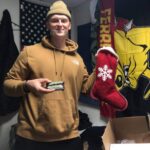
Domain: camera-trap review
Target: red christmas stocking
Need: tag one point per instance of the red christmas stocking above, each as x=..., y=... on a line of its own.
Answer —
x=104, y=87
x=107, y=110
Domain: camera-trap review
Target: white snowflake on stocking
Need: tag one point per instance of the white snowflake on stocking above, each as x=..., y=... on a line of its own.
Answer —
x=105, y=73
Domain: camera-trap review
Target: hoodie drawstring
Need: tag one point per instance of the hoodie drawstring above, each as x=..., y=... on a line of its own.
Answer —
x=55, y=62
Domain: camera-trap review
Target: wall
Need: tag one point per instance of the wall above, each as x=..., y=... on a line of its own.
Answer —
x=13, y=8
x=81, y=16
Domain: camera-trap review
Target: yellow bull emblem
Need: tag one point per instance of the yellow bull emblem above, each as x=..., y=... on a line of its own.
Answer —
x=133, y=48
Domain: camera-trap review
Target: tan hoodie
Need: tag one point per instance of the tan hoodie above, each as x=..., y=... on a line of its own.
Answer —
x=52, y=116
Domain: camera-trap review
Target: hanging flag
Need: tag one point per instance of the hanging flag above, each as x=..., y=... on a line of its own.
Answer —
x=107, y=24
x=32, y=21
x=133, y=71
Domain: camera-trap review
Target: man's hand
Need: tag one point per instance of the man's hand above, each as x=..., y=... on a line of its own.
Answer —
x=38, y=86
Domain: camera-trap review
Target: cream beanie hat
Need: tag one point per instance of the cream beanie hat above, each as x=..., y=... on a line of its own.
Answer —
x=59, y=7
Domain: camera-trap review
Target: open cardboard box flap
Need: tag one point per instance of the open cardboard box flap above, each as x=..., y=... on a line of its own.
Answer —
x=126, y=128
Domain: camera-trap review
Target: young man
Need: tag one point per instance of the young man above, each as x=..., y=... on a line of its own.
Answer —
x=48, y=115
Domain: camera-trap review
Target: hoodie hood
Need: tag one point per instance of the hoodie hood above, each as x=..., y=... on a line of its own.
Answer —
x=71, y=45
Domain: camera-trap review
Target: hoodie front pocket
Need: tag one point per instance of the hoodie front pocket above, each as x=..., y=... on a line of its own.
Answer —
x=56, y=117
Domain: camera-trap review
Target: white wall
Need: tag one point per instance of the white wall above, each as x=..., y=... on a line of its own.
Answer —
x=81, y=15
x=13, y=8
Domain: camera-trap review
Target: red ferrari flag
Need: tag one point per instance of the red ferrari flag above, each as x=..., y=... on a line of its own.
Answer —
x=107, y=24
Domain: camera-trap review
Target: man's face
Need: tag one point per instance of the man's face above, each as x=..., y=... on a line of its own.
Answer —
x=59, y=25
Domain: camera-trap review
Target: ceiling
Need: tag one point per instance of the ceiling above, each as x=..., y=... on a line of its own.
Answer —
x=70, y=3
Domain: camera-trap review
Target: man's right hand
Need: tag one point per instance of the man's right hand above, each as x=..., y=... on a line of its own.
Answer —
x=38, y=86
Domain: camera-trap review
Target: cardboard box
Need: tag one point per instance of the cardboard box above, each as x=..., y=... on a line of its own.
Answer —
x=125, y=130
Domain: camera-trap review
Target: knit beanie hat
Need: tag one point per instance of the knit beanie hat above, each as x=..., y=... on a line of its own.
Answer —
x=59, y=7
